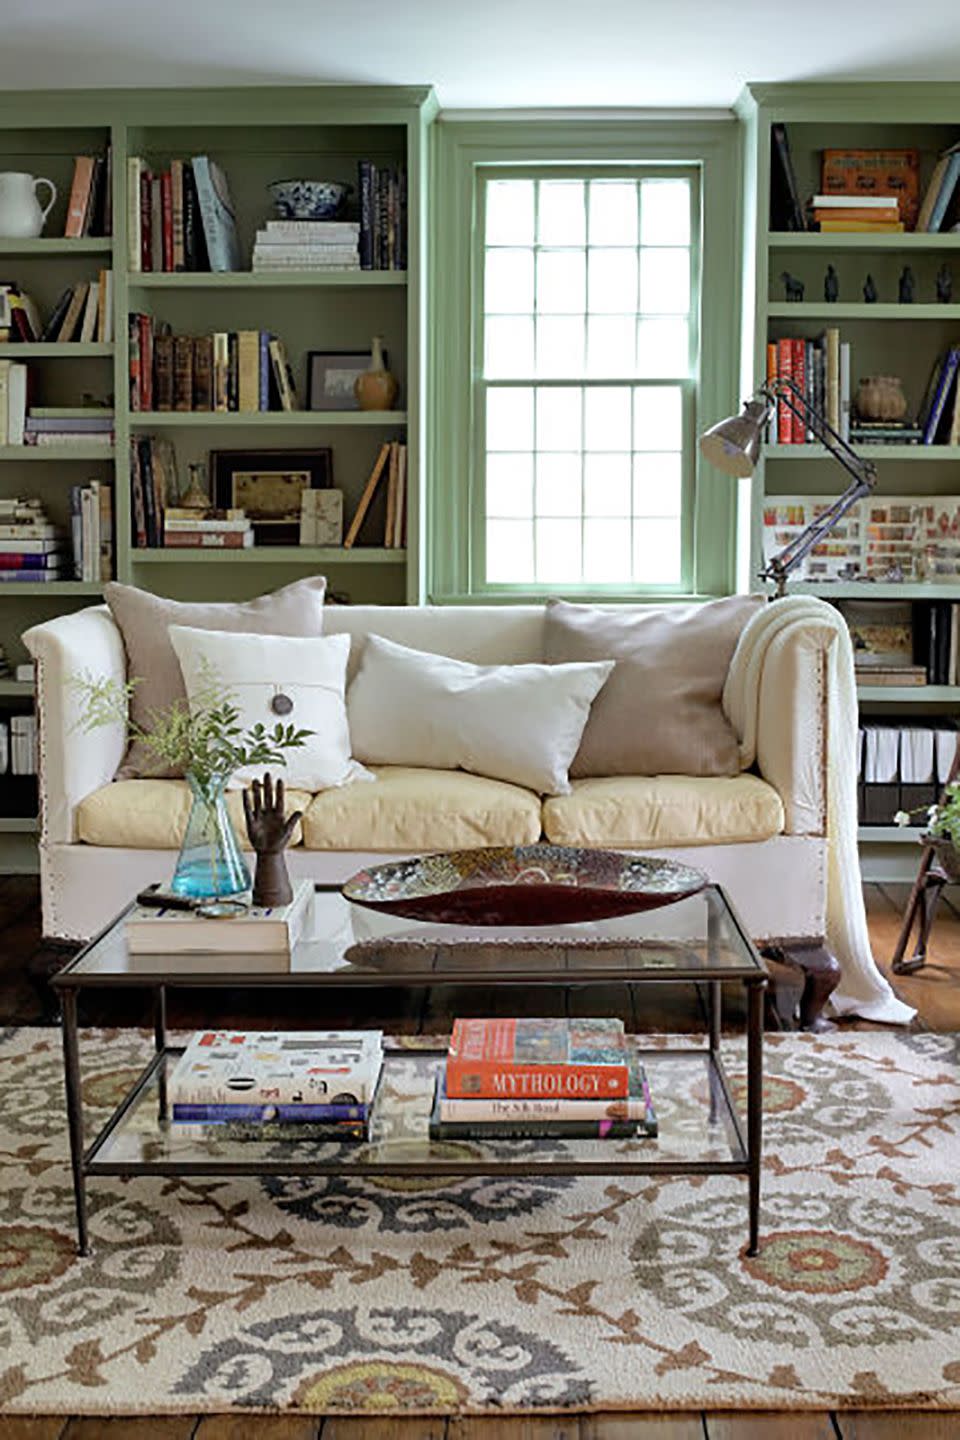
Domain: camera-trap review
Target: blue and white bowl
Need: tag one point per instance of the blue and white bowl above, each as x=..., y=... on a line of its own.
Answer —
x=308, y=199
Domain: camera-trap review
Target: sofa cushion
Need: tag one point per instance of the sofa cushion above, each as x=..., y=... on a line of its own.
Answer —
x=143, y=619
x=640, y=810
x=406, y=809
x=152, y=814
x=660, y=712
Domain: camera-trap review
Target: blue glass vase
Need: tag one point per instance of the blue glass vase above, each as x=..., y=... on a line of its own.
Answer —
x=210, y=865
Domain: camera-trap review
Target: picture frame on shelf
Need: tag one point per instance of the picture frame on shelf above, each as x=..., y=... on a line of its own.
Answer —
x=269, y=485
x=331, y=375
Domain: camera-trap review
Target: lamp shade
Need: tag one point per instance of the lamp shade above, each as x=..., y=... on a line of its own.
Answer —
x=733, y=445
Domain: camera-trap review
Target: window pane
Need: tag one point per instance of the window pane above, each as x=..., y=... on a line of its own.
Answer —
x=613, y=281
x=665, y=282
x=606, y=551
x=509, y=212
x=560, y=217
x=613, y=212
x=656, y=552
x=657, y=417
x=663, y=347
x=657, y=484
x=664, y=212
x=611, y=345
x=606, y=485
x=607, y=418
x=509, y=552
x=559, y=418
x=560, y=345
x=508, y=281
x=509, y=419
x=508, y=347
x=560, y=484
x=509, y=484
x=561, y=288
x=558, y=550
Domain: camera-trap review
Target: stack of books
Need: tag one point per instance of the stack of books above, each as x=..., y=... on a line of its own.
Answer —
x=869, y=214
x=91, y=531
x=820, y=369
x=68, y=425
x=383, y=217
x=181, y=218
x=541, y=1079
x=308, y=245
x=31, y=548
x=319, y=1085
x=90, y=207
x=185, y=529
x=84, y=312
x=230, y=370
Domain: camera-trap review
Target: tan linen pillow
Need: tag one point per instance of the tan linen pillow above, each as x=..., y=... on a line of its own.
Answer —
x=659, y=713
x=143, y=620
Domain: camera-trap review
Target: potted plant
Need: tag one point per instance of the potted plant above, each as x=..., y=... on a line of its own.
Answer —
x=207, y=742
x=943, y=828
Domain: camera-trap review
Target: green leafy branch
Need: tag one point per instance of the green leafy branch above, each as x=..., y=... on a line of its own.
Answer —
x=943, y=819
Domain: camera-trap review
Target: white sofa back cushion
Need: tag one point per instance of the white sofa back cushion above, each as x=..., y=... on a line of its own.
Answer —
x=520, y=723
x=253, y=670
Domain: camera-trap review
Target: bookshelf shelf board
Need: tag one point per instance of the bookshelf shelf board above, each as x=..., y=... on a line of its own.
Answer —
x=272, y=554
x=57, y=246
x=858, y=310
x=10, y=588
x=268, y=280
x=870, y=452
x=51, y=351
x=274, y=419
x=16, y=687
x=910, y=694
x=857, y=240
x=890, y=835
x=59, y=453
x=18, y=824
x=874, y=590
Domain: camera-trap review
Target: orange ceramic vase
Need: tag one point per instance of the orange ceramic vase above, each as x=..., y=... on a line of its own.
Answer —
x=376, y=388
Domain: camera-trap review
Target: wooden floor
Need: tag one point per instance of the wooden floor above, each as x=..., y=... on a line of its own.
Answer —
x=935, y=993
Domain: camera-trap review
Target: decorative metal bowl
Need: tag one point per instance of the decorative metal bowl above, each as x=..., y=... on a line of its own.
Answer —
x=308, y=199
x=522, y=885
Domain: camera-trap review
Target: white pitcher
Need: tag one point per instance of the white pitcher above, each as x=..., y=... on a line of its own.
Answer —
x=20, y=214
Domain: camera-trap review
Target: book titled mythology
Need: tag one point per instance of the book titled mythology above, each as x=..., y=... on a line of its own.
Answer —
x=520, y=1058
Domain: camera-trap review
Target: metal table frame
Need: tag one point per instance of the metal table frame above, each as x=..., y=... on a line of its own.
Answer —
x=747, y=1151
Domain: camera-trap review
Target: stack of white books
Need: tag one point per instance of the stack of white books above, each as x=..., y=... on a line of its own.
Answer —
x=308, y=245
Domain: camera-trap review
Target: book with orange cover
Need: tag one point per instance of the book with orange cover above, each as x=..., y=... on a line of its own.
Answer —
x=522, y=1058
x=861, y=227
x=875, y=172
x=80, y=192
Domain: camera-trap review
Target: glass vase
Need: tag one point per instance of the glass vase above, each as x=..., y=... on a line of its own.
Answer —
x=210, y=865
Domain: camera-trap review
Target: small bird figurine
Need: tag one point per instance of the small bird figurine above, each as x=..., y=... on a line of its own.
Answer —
x=869, y=290
x=831, y=285
x=944, y=284
x=906, y=286
x=792, y=285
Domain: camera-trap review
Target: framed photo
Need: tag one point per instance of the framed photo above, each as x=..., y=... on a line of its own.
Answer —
x=269, y=485
x=330, y=377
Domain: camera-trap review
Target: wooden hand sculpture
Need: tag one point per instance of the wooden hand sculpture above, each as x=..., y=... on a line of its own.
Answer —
x=269, y=832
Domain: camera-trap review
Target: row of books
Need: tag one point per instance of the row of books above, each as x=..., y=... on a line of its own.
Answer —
x=903, y=766
x=235, y=370
x=181, y=218
x=90, y=206
x=18, y=745
x=83, y=312
x=307, y=245
x=529, y=1079
x=91, y=530
x=893, y=538
x=383, y=217
x=391, y=462
x=904, y=642
x=889, y=174
x=153, y=479
x=820, y=369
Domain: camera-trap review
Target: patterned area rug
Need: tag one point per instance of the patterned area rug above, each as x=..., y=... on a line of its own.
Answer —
x=479, y=1295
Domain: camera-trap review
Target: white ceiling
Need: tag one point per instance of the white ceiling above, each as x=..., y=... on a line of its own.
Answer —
x=480, y=53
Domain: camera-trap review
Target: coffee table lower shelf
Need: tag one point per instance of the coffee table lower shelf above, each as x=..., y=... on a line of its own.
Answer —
x=701, y=1133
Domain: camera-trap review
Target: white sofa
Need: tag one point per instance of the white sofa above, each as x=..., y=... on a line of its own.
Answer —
x=760, y=834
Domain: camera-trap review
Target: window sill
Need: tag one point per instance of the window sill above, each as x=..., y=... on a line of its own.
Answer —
x=604, y=597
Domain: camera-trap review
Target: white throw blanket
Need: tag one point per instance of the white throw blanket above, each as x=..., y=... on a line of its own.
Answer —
x=862, y=990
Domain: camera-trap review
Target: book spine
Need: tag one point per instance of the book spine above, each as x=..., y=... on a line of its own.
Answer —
x=166, y=221
x=105, y=494
x=634, y=1107
x=207, y=540
x=221, y=365
x=80, y=191
x=263, y=375
x=134, y=213
x=149, y=493
x=233, y=372
x=402, y=221
x=832, y=341
x=467, y=1079
x=534, y=1130
x=138, y=509
x=146, y=362
x=785, y=372
x=146, y=221
x=798, y=428
x=290, y=1114
x=134, y=361
x=163, y=371
x=107, y=217
x=947, y=372
x=248, y=370
x=773, y=425
x=366, y=214
x=845, y=391
x=183, y=372
x=946, y=192
x=203, y=373
x=27, y=560
x=177, y=245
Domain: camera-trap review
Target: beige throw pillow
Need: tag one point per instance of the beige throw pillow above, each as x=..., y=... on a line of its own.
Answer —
x=659, y=713
x=143, y=620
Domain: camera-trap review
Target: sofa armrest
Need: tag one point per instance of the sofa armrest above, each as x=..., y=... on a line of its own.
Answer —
x=73, y=762
x=792, y=724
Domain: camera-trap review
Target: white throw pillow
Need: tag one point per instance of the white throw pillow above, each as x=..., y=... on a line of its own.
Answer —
x=520, y=723
x=253, y=670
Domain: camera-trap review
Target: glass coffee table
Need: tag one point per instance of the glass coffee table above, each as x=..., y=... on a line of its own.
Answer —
x=702, y=1130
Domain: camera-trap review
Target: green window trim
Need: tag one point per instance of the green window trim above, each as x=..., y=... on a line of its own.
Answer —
x=461, y=151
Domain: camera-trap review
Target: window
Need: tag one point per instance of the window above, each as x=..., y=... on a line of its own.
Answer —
x=586, y=365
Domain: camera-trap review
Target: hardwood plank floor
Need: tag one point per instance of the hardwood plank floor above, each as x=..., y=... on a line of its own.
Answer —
x=935, y=992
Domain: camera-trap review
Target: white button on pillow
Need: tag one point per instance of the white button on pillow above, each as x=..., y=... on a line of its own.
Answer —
x=253, y=670
x=520, y=723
